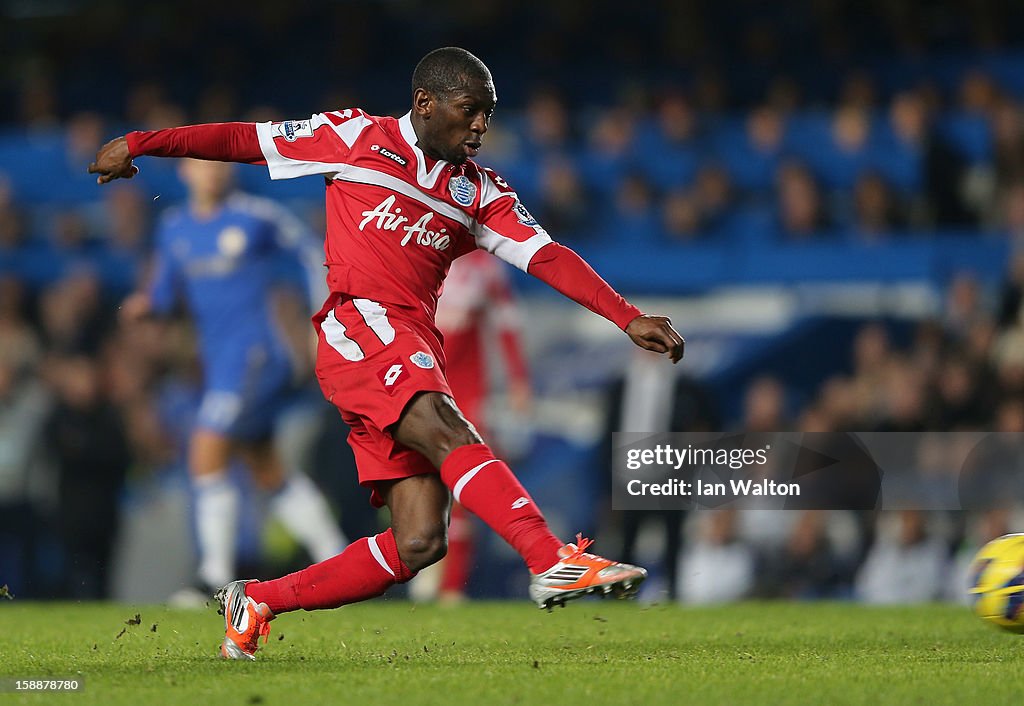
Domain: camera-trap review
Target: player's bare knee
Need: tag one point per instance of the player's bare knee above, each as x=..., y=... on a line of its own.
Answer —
x=419, y=550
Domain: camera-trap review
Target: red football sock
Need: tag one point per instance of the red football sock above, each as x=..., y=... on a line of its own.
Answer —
x=455, y=567
x=365, y=569
x=486, y=487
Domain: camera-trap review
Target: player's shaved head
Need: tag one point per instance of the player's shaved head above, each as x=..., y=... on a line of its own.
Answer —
x=452, y=101
x=444, y=71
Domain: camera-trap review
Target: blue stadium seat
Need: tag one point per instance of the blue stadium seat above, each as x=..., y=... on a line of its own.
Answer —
x=750, y=169
x=667, y=165
x=969, y=134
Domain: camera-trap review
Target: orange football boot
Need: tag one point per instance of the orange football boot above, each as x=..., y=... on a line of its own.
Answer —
x=245, y=622
x=578, y=574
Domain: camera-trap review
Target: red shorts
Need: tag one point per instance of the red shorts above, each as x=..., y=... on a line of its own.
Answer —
x=370, y=363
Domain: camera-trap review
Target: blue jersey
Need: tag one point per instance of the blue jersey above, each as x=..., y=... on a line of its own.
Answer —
x=224, y=268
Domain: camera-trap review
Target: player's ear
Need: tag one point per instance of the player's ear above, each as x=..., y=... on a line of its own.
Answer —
x=422, y=103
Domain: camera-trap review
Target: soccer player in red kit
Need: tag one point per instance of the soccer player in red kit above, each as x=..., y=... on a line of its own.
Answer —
x=404, y=199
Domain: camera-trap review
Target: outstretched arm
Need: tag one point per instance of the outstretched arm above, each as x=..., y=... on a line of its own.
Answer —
x=567, y=272
x=221, y=142
x=320, y=145
x=505, y=228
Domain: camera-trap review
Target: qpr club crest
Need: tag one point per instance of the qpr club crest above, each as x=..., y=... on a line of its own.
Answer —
x=422, y=360
x=463, y=190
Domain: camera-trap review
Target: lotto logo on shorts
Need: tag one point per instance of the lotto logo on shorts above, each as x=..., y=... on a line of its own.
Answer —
x=393, y=375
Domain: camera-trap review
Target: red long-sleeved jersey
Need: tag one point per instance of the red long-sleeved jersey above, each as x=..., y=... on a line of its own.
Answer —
x=396, y=219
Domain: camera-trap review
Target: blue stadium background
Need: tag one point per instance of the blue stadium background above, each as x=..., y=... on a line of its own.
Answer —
x=817, y=191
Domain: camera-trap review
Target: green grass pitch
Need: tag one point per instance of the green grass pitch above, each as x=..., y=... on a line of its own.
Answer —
x=591, y=652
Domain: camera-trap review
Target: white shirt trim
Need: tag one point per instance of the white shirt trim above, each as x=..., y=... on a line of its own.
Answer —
x=281, y=167
x=514, y=252
x=363, y=175
x=424, y=178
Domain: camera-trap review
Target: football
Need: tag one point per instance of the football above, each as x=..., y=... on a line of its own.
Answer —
x=997, y=583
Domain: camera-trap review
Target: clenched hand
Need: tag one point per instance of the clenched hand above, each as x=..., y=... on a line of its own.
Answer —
x=113, y=161
x=655, y=333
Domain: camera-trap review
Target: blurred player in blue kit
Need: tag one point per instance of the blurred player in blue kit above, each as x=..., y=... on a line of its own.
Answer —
x=222, y=255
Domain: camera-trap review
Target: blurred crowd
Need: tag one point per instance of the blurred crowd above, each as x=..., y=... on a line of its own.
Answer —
x=660, y=170
x=903, y=121
x=654, y=167
x=760, y=145
x=961, y=372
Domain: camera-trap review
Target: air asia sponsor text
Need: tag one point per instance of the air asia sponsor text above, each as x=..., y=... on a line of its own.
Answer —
x=389, y=217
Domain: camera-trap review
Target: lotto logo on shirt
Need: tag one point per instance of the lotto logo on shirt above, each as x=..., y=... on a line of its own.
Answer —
x=385, y=152
x=393, y=375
